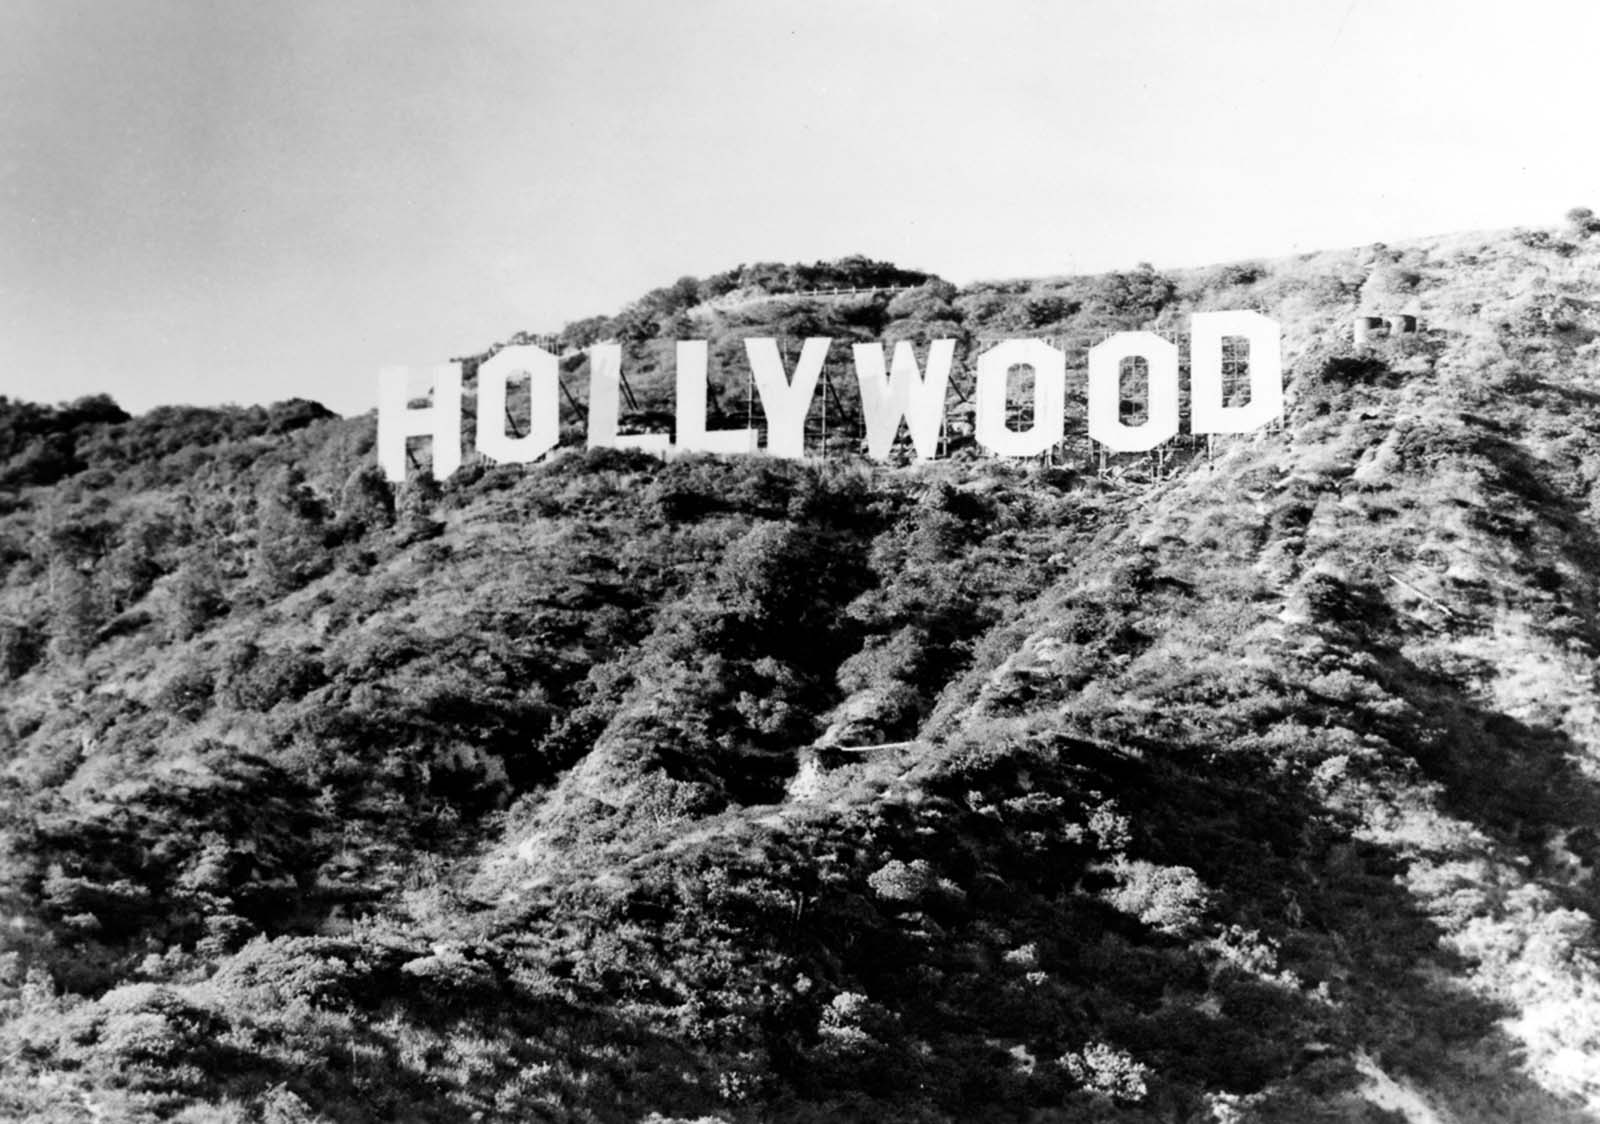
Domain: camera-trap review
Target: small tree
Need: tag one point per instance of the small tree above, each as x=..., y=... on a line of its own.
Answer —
x=73, y=618
x=20, y=648
x=414, y=508
x=366, y=502
x=289, y=541
x=196, y=596
x=135, y=563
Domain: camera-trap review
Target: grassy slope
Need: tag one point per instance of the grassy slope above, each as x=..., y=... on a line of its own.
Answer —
x=1265, y=792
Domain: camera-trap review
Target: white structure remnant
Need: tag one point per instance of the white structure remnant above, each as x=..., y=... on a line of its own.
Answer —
x=1382, y=325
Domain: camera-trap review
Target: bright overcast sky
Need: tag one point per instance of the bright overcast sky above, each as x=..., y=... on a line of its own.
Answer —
x=209, y=201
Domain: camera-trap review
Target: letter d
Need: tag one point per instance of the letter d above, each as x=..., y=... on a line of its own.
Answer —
x=1208, y=413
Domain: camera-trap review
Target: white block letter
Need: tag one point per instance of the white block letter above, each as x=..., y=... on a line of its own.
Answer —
x=1207, y=412
x=692, y=436
x=397, y=420
x=886, y=398
x=1049, y=398
x=544, y=404
x=786, y=402
x=1105, y=392
x=605, y=386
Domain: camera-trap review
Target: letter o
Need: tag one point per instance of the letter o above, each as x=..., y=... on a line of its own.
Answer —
x=1105, y=392
x=1049, y=398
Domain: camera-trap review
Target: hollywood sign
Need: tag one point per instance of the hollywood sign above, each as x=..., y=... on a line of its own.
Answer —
x=891, y=394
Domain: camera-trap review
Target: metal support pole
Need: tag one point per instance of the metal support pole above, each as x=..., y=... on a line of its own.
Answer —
x=570, y=396
x=827, y=386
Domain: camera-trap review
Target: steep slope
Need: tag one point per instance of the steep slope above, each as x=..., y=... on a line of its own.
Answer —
x=1266, y=791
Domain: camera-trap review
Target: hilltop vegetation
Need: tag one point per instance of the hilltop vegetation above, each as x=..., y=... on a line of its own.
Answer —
x=1262, y=788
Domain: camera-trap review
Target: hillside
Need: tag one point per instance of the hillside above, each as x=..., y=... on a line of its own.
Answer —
x=1260, y=784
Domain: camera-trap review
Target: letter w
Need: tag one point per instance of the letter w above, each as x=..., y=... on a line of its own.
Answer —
x=886, y=398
